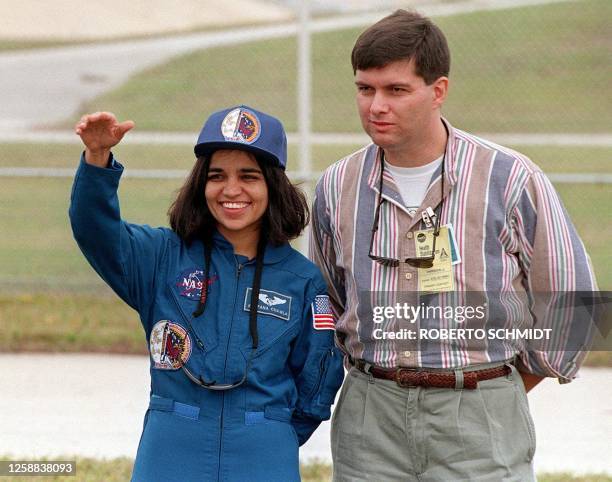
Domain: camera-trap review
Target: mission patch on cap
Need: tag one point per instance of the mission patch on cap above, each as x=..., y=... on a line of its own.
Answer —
x=241, y=125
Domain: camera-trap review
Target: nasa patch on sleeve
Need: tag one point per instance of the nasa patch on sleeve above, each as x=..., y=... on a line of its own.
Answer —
x=270, y=303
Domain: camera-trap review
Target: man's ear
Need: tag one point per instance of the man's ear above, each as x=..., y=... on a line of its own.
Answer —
x=439, y=91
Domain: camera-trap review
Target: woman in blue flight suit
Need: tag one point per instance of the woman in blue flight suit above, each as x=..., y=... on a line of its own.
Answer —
x=239, y=326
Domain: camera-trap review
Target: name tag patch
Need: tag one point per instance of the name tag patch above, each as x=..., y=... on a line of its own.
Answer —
x=270, y=303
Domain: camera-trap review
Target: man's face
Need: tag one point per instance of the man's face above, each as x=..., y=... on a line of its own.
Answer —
x=397, y=108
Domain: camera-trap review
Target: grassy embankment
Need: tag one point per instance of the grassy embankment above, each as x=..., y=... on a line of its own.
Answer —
x=536, y=69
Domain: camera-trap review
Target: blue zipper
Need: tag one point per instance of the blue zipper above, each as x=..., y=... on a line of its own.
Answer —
x=229, y=337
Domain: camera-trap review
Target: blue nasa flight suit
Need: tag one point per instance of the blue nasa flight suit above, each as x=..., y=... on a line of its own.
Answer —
x=249, y=433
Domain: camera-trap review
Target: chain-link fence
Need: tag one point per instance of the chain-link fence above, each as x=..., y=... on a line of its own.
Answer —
x=533, y=77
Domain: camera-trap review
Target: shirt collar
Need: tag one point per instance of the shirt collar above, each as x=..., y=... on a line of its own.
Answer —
x=432, y=195
x=390, y=190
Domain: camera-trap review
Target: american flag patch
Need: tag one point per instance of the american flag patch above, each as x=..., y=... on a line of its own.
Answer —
x=322, y=316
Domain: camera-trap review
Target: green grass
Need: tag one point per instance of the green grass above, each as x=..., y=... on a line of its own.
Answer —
x=535, y=69
x=37, y=249
x=120, y=469
x=566, y=477
x=59, y=321
x=591, y=211
x=542, y=67
x=556, y=159
x=37, y=246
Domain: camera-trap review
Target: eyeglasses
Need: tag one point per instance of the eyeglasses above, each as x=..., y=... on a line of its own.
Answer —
x=424, y=262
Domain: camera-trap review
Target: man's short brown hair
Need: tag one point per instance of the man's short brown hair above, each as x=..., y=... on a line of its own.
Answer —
x=403, y=36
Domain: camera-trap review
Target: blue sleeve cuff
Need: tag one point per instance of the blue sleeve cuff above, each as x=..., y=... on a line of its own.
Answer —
x=304, y=426
x=113, y=164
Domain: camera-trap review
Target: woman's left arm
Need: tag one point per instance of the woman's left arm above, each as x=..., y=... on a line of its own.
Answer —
x=317, y=366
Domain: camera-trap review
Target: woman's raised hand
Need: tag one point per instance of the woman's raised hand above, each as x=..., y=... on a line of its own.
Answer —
x=100, y=132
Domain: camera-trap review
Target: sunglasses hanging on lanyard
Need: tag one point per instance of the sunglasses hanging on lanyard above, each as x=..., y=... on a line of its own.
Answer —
x=429, y=215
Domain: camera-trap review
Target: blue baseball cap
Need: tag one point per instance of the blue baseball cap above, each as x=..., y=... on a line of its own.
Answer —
x=247, y=129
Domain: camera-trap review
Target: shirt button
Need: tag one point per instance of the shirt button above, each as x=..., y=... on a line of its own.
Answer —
x=407, y=354
x=409, y=235
x=408, y=275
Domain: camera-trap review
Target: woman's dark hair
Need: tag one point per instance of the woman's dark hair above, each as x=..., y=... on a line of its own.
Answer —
x=285, y=217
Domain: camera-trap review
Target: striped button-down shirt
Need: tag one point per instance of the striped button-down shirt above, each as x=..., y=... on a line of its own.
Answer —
x=514, y=240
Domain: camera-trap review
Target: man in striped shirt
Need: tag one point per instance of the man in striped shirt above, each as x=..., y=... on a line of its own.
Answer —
x=443, y=253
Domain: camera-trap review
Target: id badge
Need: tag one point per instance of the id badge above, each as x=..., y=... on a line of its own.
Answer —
x=439, y=278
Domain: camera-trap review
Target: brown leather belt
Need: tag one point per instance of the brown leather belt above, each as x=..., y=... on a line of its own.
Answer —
x=410, y=377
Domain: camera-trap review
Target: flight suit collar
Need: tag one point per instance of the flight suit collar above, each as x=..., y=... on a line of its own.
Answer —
x=273, y=254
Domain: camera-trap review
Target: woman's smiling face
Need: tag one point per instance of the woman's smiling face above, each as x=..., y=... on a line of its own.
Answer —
x=236, y=193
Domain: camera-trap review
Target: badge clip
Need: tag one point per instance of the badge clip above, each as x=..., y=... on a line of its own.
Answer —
x=432, y=215
x=427, y=216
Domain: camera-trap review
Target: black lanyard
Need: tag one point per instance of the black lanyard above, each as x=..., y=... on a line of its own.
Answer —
x=261, y=247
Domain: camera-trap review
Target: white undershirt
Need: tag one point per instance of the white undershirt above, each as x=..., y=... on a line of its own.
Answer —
x=413, y=182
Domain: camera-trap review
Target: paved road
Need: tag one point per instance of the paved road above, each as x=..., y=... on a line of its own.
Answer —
x=48, y=85
x=93, y=405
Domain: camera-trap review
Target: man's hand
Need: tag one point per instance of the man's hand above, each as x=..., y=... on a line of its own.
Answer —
x=530, y=380
x=100, y=132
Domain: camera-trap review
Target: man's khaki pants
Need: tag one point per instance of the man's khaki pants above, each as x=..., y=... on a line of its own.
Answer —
x=384, y=433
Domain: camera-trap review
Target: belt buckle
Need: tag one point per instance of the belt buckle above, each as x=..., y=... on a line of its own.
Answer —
x=421, y=377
